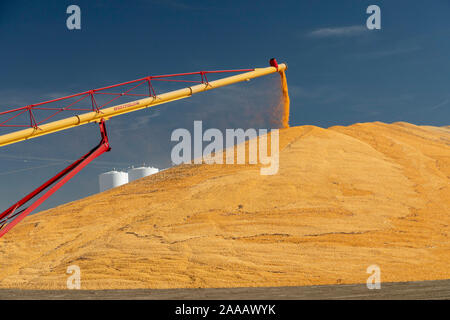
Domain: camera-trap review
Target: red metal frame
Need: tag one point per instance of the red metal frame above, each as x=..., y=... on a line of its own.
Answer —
x=10, y=217
x=30, y=113
x=31, y=117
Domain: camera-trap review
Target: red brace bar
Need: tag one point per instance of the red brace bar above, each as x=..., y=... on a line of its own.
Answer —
x=11, y=217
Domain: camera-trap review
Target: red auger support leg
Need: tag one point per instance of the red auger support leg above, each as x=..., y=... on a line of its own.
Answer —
x=11, y=217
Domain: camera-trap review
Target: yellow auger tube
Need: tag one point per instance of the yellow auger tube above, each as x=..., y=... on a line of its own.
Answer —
x=110, y=112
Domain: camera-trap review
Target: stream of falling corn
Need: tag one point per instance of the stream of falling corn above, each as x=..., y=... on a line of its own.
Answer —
x=285, y=100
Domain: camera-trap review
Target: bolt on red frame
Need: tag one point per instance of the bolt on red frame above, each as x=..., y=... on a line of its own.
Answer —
x=11, y=217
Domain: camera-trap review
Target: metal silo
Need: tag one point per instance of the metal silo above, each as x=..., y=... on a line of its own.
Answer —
x=112, y=179
x=141, y=172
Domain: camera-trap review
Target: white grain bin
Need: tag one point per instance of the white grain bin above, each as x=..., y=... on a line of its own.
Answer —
x=112, y=179
x=137, y=173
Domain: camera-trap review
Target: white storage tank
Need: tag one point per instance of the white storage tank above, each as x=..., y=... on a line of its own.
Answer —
x=112, y=179
x=141, y=172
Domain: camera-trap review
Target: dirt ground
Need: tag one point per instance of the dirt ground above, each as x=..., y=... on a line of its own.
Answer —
x=344, y=198
x=420, y=290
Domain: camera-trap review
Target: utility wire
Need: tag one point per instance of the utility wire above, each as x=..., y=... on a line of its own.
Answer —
x=31, y=158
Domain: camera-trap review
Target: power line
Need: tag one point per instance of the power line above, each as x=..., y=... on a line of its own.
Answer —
x=31, y=158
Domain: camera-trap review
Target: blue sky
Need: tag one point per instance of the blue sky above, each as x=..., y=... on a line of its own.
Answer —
x=339, y=71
